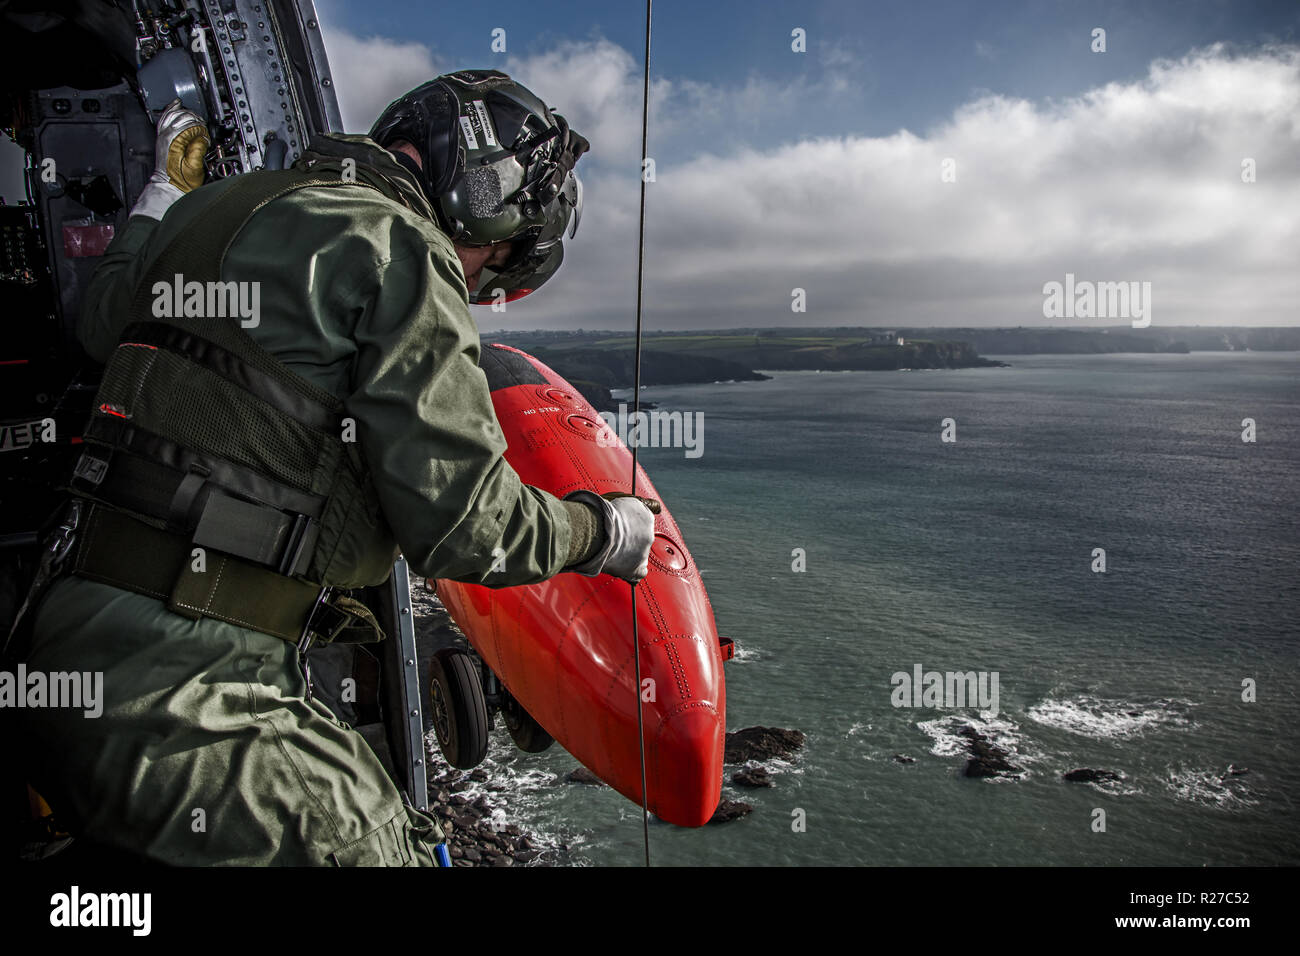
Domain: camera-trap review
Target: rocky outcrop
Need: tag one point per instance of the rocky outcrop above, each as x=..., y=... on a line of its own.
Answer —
x=729, y=810
x=1088, y=775
x=762, y=743
x=987, y=758
x=753, y=777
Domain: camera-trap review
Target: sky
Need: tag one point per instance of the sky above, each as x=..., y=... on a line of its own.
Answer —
x=917, y=164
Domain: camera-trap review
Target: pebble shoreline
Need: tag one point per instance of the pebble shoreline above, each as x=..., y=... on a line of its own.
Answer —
x=471, y=838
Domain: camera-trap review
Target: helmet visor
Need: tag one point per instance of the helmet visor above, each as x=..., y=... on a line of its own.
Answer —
x=523, y=274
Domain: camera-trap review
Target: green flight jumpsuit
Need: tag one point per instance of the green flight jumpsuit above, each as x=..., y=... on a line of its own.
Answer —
x=209, y=749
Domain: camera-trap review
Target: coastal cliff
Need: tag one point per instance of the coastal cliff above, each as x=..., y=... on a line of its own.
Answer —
x=734, y=358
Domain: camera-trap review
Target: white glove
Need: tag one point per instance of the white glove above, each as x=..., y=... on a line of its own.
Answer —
x=629, y=526
x=178, y=161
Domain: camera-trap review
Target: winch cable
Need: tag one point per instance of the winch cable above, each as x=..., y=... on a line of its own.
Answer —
x=636, y=417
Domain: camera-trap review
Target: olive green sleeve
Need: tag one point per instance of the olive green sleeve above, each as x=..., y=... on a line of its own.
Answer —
x=108, y=295
x=428, y=430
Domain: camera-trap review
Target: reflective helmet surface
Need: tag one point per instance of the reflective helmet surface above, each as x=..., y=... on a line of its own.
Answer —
x=497, y=165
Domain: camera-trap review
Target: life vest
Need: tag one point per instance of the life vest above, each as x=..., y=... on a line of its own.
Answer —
x=199, y=433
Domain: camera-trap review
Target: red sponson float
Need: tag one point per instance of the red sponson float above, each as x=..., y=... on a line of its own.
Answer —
x=563, y=648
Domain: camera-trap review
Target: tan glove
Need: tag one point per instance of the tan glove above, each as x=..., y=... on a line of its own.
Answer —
x=180, y=147
x=179, y=150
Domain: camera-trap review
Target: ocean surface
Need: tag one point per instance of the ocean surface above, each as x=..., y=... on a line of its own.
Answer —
x=977, y=555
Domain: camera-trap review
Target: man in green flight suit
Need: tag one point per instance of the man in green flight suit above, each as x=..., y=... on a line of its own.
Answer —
x=292, y=394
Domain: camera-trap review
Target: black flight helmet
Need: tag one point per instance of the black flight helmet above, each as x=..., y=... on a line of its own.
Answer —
x=497, y=165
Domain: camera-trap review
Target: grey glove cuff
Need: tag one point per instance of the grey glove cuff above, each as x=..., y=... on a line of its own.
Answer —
x=585, y=534
x=608, y=519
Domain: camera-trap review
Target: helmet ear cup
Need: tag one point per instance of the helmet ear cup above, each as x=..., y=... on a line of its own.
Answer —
x=443, y=155
x=426, y=118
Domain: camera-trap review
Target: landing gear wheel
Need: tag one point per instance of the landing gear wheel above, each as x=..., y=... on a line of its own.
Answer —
x=459, y=712
x=528, y=735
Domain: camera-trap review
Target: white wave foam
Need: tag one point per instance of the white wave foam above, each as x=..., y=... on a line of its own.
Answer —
x=1090, y=716
x=1214, y=788
x=779, y=765
x=949, y=741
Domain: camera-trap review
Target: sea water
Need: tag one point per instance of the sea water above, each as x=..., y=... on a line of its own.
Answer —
x=1176, y=663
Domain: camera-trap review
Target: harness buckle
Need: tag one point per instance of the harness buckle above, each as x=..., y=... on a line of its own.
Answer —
x=309, y=632
x=47, y=568
x=308, y=636
x=66, y=534
x=91, y=469
x=325, y=621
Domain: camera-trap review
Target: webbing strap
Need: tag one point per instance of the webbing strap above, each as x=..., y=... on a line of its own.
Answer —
x=256, y=533
x=116, y=549
x=187, y=503
x=145, y=471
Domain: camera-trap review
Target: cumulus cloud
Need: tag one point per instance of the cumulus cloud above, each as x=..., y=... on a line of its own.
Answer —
x=1136, y=180
x=371, y=72
x=597, y=86
x=1131, y=181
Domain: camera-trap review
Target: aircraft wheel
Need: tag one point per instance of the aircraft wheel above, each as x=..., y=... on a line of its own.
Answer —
x=459, y=711
x=528, y=735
